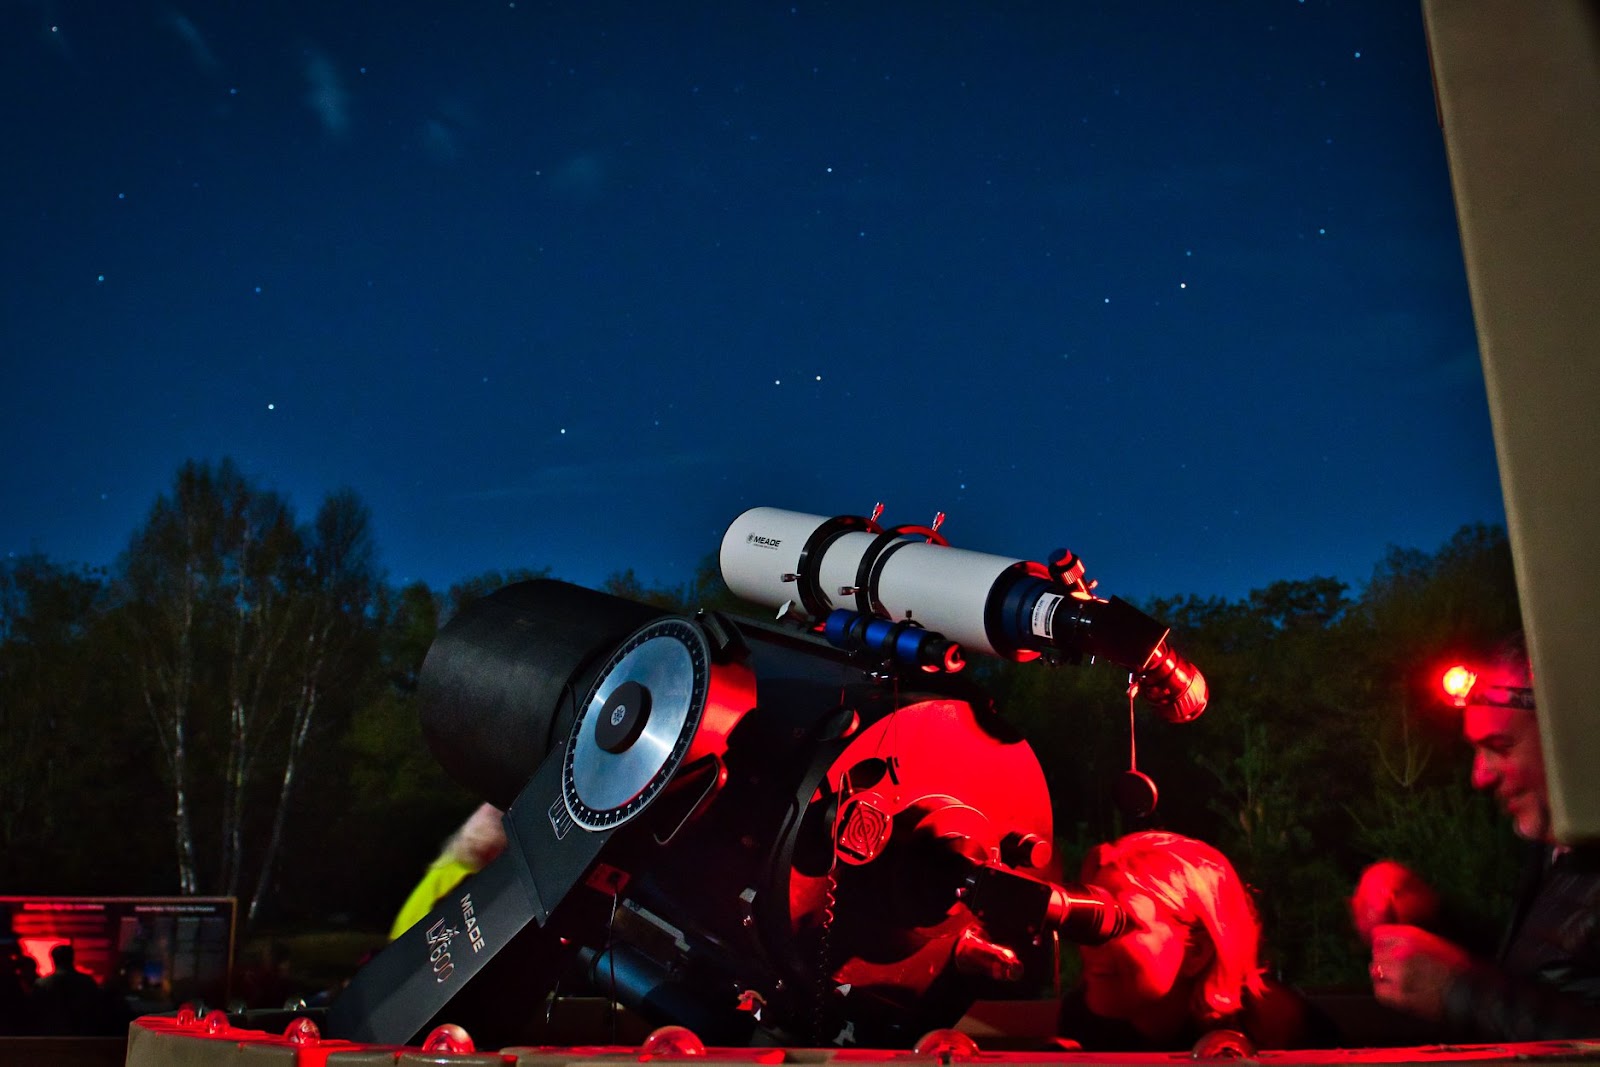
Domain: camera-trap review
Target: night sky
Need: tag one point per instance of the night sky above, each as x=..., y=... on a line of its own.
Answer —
x=1174, y=285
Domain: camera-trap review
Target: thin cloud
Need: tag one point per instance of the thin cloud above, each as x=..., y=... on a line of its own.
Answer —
x=440, y=140
x=447, y=130
x=199, y=50
x=326, y=94
x=581, y=176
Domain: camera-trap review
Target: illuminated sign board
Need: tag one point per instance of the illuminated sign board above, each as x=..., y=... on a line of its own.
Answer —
x=157, y=951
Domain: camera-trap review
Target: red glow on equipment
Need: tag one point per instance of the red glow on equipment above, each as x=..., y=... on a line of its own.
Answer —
x=1173, y=685
x=1458, y=682
x=947, y=1045
x=39, y=949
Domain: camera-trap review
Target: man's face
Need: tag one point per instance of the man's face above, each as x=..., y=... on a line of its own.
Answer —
x=1507, y=761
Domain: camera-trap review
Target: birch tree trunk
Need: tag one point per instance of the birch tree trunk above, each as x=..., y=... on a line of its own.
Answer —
x=207, y=579
x=167, y=683
x=341, y=588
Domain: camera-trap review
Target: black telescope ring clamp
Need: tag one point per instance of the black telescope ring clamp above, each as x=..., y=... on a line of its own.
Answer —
x=812, y=598
x=870, y=568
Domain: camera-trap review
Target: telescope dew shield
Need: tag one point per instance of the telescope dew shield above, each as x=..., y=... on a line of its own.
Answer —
x=766, y=545
x=501, y=680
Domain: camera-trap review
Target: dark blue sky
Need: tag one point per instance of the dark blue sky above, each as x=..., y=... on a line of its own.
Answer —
x=1174, y=285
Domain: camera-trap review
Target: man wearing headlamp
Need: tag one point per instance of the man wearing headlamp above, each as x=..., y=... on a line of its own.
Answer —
x=1545, y=981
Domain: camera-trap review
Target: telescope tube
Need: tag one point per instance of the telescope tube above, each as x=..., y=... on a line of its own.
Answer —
x=1000, y=605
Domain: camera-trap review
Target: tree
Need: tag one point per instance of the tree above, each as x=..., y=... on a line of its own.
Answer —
x=626, y=584
x=187, y=582
x=237, y=620
x=334, y=589
x=58, y=725
x=397, y=803
x=466, y=591
x=1419, y=612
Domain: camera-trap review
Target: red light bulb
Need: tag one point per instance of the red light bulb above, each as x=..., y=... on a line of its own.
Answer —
x=448, y=1037
x=302, y=1031
x=948, y=1045
x=1458, y=682
x=1223, y=1045
x=671, y=1043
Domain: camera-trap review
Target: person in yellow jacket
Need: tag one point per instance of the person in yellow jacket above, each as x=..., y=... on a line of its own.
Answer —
x=469, y=850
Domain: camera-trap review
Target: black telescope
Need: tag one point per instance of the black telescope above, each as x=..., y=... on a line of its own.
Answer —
x=767, y=832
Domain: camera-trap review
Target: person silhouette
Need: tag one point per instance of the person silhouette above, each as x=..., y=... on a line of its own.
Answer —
x=67, y=1001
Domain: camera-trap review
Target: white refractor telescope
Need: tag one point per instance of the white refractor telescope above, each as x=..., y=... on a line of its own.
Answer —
x=904, y=591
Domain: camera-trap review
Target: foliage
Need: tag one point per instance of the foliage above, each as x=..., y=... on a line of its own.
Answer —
x=1451, y=836
x=335, y=587
x=264, y=674
x=238, y=634
x=65, y=737
x=463, y=593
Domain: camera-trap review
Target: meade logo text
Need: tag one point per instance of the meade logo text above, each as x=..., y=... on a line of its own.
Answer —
x=763, y=542
x=470, y=917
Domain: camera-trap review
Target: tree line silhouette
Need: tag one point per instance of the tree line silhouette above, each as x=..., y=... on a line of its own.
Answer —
x=229, y=710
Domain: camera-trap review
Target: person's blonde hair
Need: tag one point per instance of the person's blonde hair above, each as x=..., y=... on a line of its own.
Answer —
x=1201, y=888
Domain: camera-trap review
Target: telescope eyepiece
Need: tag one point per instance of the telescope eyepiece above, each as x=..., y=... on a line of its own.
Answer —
x=1085, y=914
x=1173, y=685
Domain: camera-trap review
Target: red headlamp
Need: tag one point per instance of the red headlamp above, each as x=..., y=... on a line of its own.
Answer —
x=1465, y=686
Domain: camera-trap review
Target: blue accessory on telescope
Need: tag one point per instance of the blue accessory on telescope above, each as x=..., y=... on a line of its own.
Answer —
x=904, y=641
